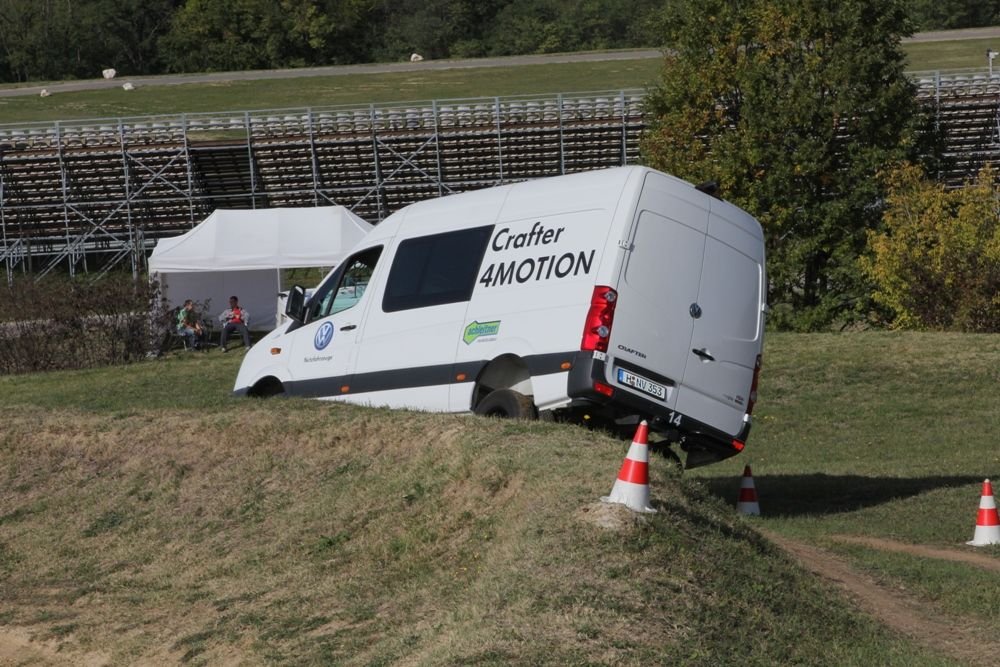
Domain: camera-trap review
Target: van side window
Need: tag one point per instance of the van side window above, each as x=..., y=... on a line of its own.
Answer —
x=345, y=287
x=436, y=269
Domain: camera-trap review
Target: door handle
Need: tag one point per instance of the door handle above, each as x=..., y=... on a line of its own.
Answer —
x=703, y=354
x=349, y=327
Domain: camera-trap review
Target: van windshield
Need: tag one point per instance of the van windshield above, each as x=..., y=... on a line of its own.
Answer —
x=345, y=287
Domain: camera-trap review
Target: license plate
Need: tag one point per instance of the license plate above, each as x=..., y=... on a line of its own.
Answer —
x=642, y=384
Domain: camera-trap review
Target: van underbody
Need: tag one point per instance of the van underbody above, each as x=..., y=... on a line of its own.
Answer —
x=622, y=411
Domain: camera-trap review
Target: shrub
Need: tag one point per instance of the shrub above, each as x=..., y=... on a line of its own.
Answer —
x=936, y=261
x=62, y=323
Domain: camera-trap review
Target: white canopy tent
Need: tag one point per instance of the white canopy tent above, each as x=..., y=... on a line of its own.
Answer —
x=242, y=253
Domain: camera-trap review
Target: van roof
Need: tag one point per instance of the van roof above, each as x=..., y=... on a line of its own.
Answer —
x=587, y=190
x=580, y=191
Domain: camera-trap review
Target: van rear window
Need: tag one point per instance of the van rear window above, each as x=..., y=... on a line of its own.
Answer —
x=435, y=270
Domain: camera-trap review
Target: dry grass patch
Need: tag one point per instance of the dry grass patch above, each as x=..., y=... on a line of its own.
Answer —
x=303, y=533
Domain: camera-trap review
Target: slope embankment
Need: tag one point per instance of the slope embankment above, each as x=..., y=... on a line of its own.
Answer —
x=299, y=533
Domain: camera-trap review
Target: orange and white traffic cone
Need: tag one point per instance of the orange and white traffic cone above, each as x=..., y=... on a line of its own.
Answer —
x=747, y=503
x=632, y=486
x=988, y=522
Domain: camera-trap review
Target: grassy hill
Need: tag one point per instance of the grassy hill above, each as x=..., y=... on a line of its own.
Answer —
x=146, y=516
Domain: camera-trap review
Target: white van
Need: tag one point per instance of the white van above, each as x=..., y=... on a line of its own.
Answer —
x=603, y=297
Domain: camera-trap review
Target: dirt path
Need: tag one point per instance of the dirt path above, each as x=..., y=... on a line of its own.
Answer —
x=963, y=639
x=953, y=555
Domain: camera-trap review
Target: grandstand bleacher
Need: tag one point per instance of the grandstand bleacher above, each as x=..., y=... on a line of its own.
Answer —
x=92, y=195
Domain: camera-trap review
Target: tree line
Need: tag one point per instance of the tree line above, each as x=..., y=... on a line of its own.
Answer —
x=64, y=39
x=67, y=39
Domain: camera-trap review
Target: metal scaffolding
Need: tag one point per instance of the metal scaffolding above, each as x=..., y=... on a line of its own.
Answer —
x=94, y=195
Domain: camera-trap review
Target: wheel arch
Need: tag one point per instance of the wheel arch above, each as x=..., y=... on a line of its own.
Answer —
x=266, y=387
x=508, y=371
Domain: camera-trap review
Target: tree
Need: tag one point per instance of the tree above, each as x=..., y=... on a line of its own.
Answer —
x=246, y=34
x=432, y=28
x=546, y=26
x=60, y=39
x=45, y=39
x=130, y=31
x=936, y=261
x=792, y=107
x=945, y=14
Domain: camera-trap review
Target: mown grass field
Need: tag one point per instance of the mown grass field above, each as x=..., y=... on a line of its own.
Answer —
x=880, y=434
x=394, y=87
x=147, y=517
x=352, y=89
x=947, y=55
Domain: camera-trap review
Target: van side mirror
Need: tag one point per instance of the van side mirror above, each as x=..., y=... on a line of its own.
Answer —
x=295, y=304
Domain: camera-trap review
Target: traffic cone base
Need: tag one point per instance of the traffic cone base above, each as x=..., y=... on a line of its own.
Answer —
x=747, y=502
x=987, y=520
x=631, y=489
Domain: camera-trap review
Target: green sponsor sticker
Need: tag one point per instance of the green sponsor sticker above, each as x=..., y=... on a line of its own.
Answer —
x=477, y=329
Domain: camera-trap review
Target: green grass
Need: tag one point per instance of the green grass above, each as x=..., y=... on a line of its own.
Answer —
x=147, y=515
x=881, y=434
x=354, y=89
x=360, y=89
x=954, y=587
x=959, y=54
x=181, y=382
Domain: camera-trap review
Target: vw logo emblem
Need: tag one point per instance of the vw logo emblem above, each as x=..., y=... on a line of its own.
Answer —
x=323, y=335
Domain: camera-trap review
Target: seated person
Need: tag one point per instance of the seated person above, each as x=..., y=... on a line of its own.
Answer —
x=234, y=318
x=189, y=327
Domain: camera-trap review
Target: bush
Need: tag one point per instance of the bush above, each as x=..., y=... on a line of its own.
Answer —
x=936, y=261
x=62, y=323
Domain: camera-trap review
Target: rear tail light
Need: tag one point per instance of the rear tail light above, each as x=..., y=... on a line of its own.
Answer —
x=603, y=389
x=753, y=386
x=600, y=317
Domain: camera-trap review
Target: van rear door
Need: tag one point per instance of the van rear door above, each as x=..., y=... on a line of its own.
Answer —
x=727, y=334
x=689, y=305
x=658, y=284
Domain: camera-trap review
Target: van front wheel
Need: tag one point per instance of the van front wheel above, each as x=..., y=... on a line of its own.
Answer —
x=507, y=404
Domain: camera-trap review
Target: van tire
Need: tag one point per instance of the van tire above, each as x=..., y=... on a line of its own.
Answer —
x=267, y=388
x=507, y=404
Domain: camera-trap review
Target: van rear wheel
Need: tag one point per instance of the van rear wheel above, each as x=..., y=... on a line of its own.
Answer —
x=507, y=404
